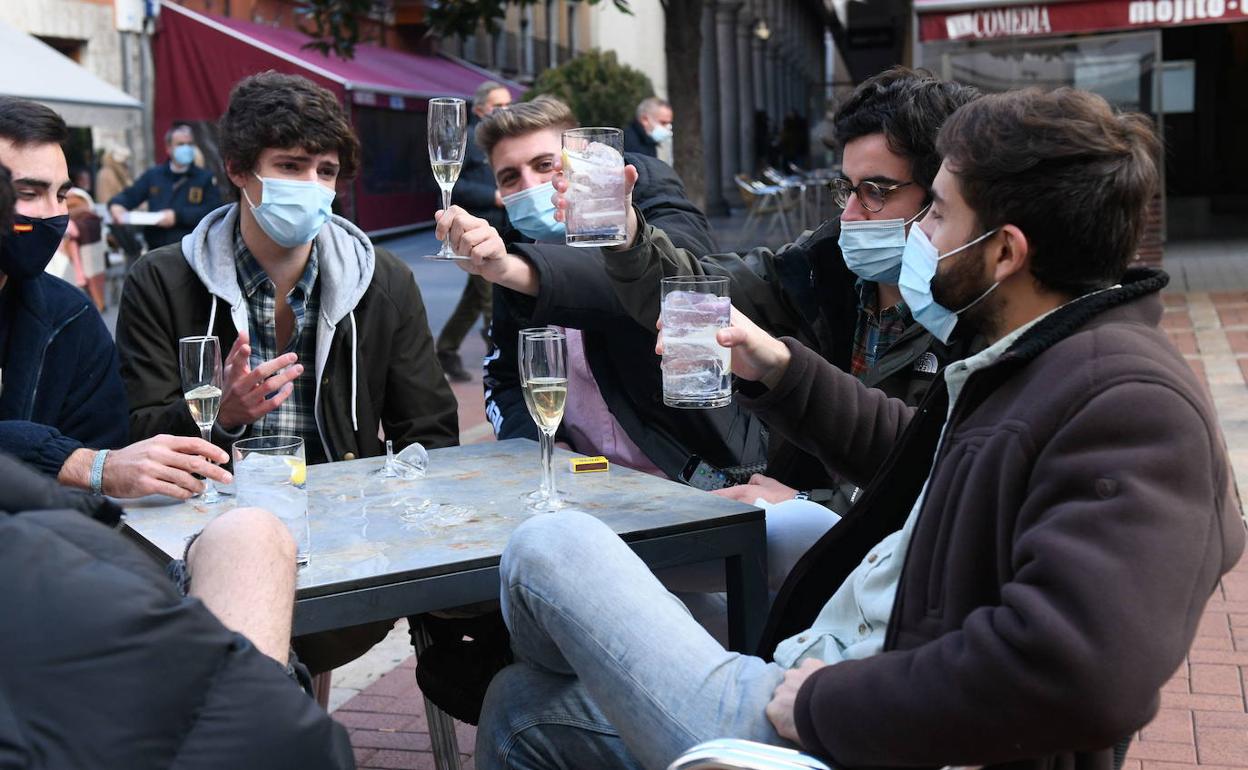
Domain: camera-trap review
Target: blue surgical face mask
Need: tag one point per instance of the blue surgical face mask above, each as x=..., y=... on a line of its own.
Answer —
x=291, y=212
x=872, y=248
x=918, y=267
x=661, y=134
x=532, y=212
x=184, y=154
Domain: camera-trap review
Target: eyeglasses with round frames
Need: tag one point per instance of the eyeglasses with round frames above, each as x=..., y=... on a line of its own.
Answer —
x=871, y=195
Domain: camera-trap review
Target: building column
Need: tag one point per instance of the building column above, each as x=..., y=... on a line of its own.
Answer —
x=774, y=81
x=745, y=72
x=709, y=89
x=729, y=94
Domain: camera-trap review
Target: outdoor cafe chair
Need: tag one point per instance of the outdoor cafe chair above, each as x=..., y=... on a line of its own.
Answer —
x=764, y=202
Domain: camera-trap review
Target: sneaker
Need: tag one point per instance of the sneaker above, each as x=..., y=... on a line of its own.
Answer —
x=453, y=367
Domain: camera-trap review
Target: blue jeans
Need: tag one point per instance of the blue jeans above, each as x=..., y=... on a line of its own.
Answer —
x=611, y=671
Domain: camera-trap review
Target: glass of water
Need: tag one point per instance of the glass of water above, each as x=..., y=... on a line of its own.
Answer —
x=270, y=473
x=696, y=368
x=593, y=163
x=200, y=361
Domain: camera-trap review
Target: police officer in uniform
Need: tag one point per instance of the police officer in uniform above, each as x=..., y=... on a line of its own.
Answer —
x=179, y=190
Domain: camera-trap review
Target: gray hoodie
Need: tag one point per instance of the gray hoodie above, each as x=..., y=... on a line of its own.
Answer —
x=345, y=263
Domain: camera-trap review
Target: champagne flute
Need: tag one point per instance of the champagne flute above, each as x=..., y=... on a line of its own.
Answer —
x=202, y=377
x=542, y=491
x=544, y=375
x=448, y=136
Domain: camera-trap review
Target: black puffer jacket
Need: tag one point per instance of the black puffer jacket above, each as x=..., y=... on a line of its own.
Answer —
x=575, y=292
x=104, y=665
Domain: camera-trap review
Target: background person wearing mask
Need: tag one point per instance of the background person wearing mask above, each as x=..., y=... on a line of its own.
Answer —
x=651, y=127
x=180, y=190
x=475, y=191
x=62, y=403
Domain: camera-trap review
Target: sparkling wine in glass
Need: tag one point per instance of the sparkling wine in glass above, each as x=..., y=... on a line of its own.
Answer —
x=448, y=137
x=544, y=377
x=202, y=377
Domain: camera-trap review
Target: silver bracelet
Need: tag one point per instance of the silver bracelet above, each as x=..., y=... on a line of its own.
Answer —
x=97, y=472
x=804, y=495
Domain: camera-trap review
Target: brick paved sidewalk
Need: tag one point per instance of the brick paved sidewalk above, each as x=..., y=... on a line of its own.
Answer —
x=1203, y=720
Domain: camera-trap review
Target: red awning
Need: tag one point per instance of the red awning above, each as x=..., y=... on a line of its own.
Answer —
x=199, y=57
x=972, y=20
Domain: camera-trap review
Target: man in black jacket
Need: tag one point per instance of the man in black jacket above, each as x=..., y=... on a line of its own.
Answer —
x=542, y=283
x=327, y=335
x=105, y=663
x=651, y=127
x=835, y=288
x=477, y=193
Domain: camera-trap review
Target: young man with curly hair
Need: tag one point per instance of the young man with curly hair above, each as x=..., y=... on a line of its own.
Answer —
x=327, y=335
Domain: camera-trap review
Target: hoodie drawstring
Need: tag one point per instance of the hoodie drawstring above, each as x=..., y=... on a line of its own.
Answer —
x=212, y=316
x=355, y=425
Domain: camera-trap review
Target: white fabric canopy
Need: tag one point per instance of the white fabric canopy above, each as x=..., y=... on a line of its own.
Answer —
x=33, y=70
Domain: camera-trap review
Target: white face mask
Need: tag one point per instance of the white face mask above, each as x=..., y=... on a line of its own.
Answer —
x=918, y=267
x=872, y=248
x=291, y=211
x=661, y=133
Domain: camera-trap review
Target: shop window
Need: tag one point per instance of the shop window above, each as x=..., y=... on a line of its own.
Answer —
x=1178, y=87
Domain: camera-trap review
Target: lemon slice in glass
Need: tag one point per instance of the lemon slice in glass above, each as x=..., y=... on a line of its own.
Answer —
x=298, y=471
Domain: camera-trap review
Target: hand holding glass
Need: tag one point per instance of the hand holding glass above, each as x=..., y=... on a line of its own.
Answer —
x=448, y=137
x=696, y=369
x=200, y=361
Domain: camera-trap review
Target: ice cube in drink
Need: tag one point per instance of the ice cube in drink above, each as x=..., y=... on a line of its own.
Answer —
x=597, y=213
x=277, y=483
x=696, y=368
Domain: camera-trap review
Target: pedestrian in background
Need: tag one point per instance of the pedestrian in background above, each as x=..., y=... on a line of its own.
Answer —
x=477, y=193
x=651, y=127
x=114, y=175
x=179, y=190
x=87, y=237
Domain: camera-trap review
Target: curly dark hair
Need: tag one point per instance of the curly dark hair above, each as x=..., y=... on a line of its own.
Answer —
x=285, y=111
x=1067, y=170
x=908, y=106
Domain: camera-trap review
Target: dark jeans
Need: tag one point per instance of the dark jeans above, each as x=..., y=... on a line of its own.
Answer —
x=477, y=300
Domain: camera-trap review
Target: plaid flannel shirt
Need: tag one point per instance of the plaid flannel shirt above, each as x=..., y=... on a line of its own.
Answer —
x=296, y=416
x=876, y=330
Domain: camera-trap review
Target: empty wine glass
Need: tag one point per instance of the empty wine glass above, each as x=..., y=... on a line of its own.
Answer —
x=448, y=137
x=544, y=378
x=202, y=377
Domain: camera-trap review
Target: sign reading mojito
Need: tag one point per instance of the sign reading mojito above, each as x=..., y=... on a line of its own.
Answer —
x=593, y=162
x=696, y=368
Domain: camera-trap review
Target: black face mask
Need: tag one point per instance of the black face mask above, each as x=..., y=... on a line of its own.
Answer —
x=25, y=252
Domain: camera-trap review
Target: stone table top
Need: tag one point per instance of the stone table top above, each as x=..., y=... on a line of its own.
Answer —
x=368, y=531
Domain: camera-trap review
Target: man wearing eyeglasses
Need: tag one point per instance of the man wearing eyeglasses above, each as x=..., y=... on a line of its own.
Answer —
x=835, y=288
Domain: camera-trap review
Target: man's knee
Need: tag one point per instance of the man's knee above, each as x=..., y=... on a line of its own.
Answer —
x=244, y=530
x=555, y=541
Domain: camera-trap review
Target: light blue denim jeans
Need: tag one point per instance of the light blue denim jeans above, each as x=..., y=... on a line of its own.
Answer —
x=611, y=671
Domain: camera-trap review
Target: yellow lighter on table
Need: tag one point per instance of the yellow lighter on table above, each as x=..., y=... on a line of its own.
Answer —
x=589, y=464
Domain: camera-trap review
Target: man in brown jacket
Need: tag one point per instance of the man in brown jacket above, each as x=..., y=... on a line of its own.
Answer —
x=1029, y=564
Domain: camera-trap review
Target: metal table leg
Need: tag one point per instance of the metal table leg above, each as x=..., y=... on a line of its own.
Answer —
x=747, y=593
x=441, y=725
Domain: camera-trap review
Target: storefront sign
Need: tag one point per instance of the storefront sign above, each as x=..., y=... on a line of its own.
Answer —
x=1062, y=18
